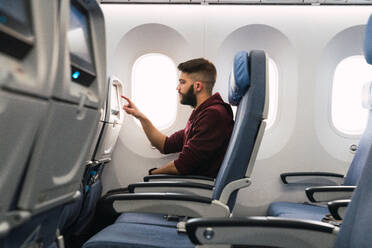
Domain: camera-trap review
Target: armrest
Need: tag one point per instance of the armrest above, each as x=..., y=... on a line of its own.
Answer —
x=117, y=191
x=338, y=208
x=310, y=177
x=172, y=186
x=185, y=178
x=329, y=193
x=166, y=186
x=261, y=231
x=167, y=203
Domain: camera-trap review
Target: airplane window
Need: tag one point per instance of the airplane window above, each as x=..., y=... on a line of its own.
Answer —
x=348, y=115
x=154, y=81
x=273, y=94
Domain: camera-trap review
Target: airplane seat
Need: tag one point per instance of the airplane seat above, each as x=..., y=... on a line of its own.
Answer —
x=76, y=216
x=248, y=90
x=57, y=165
x=247, y=134
x=28, y=58
x=59, y=153
x=288, y=232
x=359, y=209
x=358, y=215
x=318, y=212
x=251, y=107
x=250, y=120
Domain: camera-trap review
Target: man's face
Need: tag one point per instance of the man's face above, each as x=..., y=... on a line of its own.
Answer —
x=185, y=90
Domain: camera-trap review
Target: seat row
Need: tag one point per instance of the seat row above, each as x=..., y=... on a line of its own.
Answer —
x=143, y=223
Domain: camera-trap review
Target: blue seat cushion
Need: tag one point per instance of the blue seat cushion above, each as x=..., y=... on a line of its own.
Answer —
x=146, y=218
x=131, y=235
x=297, y=210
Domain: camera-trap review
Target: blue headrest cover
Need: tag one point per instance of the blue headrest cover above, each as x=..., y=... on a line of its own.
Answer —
x=239, y=78
x=368, y=41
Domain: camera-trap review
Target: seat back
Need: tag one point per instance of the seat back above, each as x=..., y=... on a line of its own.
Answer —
x=108, y=134
x=28, y=59
x=76, y=216
x=111, y=121
x=365, y=142
x=355, y=229
x=55, y=165
x=248, y=90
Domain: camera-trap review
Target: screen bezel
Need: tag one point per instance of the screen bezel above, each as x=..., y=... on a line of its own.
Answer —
x=75, y=60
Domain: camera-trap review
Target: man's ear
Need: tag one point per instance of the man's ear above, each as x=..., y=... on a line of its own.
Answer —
x=198, y=86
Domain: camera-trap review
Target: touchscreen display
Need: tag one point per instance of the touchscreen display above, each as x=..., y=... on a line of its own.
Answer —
x=114, y=99
x=78, y=35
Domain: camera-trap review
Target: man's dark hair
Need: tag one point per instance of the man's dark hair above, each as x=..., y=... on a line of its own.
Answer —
x=200, y=70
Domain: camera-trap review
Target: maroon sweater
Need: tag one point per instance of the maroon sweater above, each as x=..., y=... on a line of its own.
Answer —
x=204, y=140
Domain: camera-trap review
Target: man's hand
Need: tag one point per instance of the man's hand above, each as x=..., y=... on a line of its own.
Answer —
x=156, y=138
x=169, y=168
x=131, y=109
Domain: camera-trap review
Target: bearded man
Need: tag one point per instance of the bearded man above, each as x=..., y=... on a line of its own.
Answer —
x=203, y=142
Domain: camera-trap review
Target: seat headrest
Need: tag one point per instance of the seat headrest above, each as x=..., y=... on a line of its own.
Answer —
x=368, y=41
x=367, y=95
x=239, y=78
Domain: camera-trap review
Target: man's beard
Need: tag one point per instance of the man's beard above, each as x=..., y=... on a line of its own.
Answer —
x=189, y=98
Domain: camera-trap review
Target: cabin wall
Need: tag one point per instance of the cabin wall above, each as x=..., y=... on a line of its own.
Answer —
x=306, y=42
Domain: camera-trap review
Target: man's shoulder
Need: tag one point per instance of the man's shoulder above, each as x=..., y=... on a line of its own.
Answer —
x=217, y=111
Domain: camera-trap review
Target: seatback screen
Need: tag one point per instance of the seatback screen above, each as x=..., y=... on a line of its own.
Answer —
x=16, y=39
x=15, y=14
x=78, y=35
x=114, y=100
x=79, y=41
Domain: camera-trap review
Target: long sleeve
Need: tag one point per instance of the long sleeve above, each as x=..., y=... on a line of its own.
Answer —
x=174, y=142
